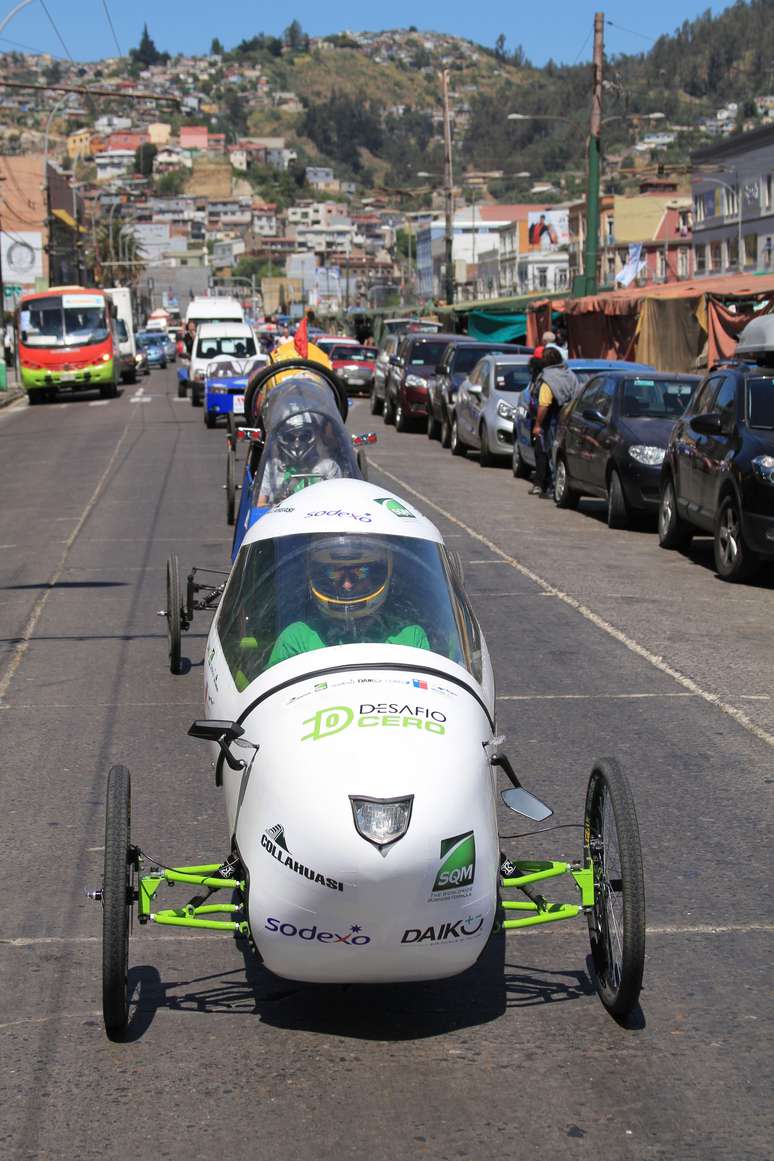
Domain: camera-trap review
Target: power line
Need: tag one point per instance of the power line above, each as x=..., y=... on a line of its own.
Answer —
x=582, y=47
x=642, y=35
x=112, y=29
x=44, y=6
x=26, y=47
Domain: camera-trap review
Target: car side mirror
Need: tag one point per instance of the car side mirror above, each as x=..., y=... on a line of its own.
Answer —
x=222, y=732
x=473, y=389
x=592, y=415
x=710, y=424
x=522, y=802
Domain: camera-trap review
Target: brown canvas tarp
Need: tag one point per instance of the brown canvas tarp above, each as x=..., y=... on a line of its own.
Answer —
x=669, y=335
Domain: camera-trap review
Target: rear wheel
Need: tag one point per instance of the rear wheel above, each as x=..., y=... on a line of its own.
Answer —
x=611, y=845
x=521, y=470
x=485, y=457
x=376, y=403
x=230, y=487
x=564, y=496
x=117, y=899
x=388, y=411
x=733, y=559
x=458, y=448
x=673, y=531
x=401, y=422
x=445, y=428
x=617, y=508
x=181, y=385
x=173, y=613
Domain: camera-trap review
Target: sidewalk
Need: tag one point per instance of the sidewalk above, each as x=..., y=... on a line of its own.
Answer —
x=13, y=392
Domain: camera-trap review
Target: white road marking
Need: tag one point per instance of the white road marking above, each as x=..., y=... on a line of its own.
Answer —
x=99, y=403
x=141, y=399
x=586, y=696
x=53, y=705
x=593, y=618
x=8, y=546
x=37, y=608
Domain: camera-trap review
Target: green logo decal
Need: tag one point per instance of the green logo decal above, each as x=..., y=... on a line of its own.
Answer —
x=328, y=721
x=395, y=507
x=459, y=866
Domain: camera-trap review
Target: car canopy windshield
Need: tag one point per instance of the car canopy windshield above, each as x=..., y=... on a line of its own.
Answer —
x=645, y=398
x=64, y=320
x=306, y=442
x=760, y=403
x=297, y=594
x=225, y=368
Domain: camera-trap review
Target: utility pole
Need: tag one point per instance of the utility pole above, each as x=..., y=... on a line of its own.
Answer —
x=448, y=189
x=591, y=250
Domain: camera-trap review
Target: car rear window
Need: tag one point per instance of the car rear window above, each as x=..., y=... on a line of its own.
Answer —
x=428, y=354
x=645, y=398
x=760, y=403
x=354, y=354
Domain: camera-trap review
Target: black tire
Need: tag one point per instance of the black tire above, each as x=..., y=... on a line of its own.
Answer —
x=173, y=613
x=210, y=419
x=388, y=411
x=377, y=404
x=564, y=496
x=117, y=899
x=34, y=397
x=617, y=508
x=108, y=390
x=271, y=370
x=445, y=428
x=611, y=844
x=181, y=388
x=457, y=447
x=673, y=531
x=402, y=422
x=433, y=426
x=485, y=457
x=521, y=470
x=230, y=487
x=733, y=559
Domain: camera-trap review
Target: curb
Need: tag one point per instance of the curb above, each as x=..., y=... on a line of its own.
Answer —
x=10, y=395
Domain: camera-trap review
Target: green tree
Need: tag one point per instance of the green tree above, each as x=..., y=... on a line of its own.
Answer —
x=500, y=47
x=295, y=38
x=147, y=54
x=144, y=156
x=216, y=48
x=172, y=183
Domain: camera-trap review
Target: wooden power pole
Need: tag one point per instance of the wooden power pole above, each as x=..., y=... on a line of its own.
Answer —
x=448, y=192
x=591, y=249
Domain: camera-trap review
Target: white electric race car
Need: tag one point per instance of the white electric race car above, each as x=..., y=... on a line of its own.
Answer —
x=350, y=703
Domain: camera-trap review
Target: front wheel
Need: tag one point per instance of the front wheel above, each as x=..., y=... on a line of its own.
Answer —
x=611, y=846
x=456, y=445
x=181, y=388
x=564, y=496
x=617, y=508
x=388, y=412
x=733, y=559
x=210, y=418
x=401, y=422
x=521, y=470
x=117, y=899
x=173, y=613
x=673, y=531
x=433, y=426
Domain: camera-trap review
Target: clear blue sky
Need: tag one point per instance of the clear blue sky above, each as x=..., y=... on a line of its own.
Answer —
x=560, y=29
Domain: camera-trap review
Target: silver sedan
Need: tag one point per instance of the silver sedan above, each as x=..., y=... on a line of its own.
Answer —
x=485, y=407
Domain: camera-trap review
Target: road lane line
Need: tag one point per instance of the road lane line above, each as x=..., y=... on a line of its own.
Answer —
x=37, y=609
x=585, y=696
x=593, y=618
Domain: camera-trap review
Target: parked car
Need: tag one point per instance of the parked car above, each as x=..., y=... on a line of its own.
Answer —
x=612, y=438
x=152, y=343
x=459, y=358
x=482, y=419
x=382, y=367
x=355, y=366
x=526, y=407
x=411, y=368
x=170, y=345
x=718, y=471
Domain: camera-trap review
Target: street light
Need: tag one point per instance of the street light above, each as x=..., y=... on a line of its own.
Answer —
x=10, y=15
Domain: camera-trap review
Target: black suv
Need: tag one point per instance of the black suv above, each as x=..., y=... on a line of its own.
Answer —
x=405, y=399
x=459, y=358
x=718, y=471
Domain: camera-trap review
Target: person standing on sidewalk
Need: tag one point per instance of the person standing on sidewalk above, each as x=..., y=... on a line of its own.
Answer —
x=556, y=387
x=9, y=344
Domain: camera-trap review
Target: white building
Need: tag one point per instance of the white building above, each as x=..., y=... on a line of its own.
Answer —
x=114, y=163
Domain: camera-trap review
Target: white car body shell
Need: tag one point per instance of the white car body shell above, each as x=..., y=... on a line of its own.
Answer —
x=381, y=721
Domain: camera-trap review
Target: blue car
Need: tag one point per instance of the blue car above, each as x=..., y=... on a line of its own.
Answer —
x=225, y=383
x=153, y=343
x=526, y=408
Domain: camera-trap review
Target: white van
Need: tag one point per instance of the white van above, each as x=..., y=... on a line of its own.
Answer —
x=214, y=309
x=121, y=298
x=220, y=340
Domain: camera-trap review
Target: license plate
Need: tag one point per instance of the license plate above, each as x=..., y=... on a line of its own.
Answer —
x=239, y=404
x=67, y=376
x=356, y=381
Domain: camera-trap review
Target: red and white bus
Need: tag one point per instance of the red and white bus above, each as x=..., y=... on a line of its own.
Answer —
x=66, y=340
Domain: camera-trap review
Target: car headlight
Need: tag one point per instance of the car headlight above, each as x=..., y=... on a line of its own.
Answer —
x=645, y=453
x=763, y=468
x=381, y=821
x=415, y=381
x=505, y=410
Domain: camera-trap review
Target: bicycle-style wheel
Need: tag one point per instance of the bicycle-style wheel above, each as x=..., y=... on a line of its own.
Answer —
x=117, y=899
x=173, y=613
x=611, y=844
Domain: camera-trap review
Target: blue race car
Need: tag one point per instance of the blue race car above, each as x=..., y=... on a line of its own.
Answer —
x=225, y=383
x=526, y=408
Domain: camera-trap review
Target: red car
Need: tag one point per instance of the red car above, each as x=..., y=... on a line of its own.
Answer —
x=355, y=366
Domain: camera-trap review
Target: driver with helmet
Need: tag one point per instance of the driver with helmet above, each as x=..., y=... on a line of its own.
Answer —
x=349, y=579
x=298, y=460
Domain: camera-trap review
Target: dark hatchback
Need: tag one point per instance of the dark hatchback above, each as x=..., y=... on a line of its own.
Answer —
x=612, y=439
x=718, y=471
x=456, y=363
x=405, y=402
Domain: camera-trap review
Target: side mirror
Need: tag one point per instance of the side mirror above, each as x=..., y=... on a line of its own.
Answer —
x=365, y=437
x=222, y=732
x=473, y=389
x=440, y=369
x=592, y=415
x=710, y=424
x=522, y=802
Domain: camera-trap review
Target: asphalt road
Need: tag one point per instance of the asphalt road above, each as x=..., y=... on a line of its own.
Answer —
x=602, y=644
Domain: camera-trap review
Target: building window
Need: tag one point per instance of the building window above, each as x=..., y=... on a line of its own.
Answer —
x=731, y=198
x=766, y=253
x=750, y=250
x=700, y=254
x=698, y=207
x=561, y=278
x=661, y=265
x=684, y=223
x=682, y=262
x=542, y=277
x=766, y=185
x=715, y=256
x=732, y=249
x=610, y=267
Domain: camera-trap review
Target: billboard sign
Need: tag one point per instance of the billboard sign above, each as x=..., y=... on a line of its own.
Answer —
x=22, y=256
x=548, y=229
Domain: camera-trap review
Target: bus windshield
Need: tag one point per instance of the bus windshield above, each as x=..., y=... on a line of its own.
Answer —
x=64, y=320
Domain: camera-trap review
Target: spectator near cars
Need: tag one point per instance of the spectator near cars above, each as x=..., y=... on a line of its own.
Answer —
x=483, y=413
x=611, y=440
x=411, y=368
x=556, y=386
x=718, y=471
x=458, y=359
